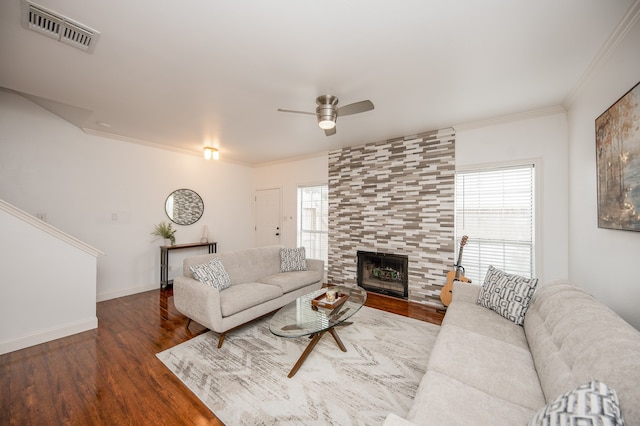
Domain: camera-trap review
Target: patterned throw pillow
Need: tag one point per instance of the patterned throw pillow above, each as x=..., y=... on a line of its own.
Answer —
x=212, y=273
x=507, y=294
x=292, y=259
x=591, y=404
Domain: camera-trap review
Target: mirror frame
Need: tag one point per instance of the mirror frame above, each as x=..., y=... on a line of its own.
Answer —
x=188, y=209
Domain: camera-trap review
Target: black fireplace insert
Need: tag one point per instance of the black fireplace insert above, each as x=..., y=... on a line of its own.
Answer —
x=384, y=273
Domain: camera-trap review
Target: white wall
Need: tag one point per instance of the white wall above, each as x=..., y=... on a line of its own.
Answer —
x=288, y=175
x=539, y=136
x=603, y=261
x=48, y=285
x=82, y=182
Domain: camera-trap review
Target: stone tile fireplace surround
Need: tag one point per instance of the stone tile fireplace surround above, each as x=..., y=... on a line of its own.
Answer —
x=397, y=197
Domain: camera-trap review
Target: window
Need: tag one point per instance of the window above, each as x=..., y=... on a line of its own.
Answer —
x=495, y=209
x=313, y=221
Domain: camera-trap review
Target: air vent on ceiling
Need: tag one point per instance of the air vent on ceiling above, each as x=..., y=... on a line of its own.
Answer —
x=58, y=27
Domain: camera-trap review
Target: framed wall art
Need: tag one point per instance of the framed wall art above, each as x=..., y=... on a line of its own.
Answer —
x=618, y=163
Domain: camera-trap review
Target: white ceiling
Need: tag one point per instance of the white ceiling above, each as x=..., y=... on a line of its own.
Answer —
x=184, y=74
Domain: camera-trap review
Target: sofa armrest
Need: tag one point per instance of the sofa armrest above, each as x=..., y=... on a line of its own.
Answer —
x=465, y=292
x=316, y=265
x=198, y=301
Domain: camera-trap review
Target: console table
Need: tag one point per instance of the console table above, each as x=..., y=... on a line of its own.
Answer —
x=164, y=259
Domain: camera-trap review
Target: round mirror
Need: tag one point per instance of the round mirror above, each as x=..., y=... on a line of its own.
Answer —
x=184, y=206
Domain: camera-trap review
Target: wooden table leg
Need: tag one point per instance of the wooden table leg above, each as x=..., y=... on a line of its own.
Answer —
x=334, y=333
x=305, y=354
x=312, y=344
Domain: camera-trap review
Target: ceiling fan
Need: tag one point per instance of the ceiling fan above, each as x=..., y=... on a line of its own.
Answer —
x=328, y=112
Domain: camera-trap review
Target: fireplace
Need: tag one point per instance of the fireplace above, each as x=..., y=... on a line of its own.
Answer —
x=384, y=273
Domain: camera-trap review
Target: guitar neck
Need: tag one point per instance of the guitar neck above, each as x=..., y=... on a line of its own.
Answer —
x=458, y=263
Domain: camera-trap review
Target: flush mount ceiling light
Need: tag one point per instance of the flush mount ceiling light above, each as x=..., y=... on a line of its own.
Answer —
x=210, y=152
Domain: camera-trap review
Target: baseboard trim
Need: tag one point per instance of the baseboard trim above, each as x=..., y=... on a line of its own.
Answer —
x=101, y=297
x=47, y=335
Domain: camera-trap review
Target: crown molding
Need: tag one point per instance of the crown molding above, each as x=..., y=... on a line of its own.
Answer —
x=122, y=138
x=511, y=118
x=628, y=21
x=320, y=154
x=150, y=144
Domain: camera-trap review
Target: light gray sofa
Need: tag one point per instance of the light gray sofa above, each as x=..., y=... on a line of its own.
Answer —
x=485, y=370
x=257, y=288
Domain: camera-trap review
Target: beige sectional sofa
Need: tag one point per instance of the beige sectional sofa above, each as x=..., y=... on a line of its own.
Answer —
x=257, y=287
x=486, y=370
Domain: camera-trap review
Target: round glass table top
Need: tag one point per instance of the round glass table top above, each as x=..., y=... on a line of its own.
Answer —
x=302, y=318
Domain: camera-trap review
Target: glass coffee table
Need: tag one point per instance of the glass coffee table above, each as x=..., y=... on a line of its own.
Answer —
x=311, y=315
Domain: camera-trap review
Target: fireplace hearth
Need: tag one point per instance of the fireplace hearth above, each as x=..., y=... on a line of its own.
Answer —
x=384, y=273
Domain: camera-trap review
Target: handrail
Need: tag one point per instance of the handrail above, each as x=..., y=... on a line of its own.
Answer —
x=49, y=229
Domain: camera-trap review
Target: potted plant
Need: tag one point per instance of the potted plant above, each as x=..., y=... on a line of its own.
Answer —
x=164, y=230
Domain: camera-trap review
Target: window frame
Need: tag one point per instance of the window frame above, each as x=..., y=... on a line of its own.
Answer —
x=299, y=225
x=537, y=210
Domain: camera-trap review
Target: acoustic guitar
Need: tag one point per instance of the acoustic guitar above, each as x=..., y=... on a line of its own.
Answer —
x=455, y=275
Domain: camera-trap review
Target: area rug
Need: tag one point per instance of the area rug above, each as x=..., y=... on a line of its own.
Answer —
x=245, y=382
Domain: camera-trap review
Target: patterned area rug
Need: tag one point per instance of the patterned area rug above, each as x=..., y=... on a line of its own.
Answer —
x=245, y=382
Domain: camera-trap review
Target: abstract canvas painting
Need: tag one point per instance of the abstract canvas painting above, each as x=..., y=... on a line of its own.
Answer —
x=618, y=163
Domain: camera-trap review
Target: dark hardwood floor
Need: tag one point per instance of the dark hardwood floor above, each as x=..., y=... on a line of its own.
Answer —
x=111, y=376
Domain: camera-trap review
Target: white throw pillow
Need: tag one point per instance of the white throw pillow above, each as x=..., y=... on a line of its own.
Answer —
x=212, y=273
x=292, y=259
x=507, y=294
x=593, y=403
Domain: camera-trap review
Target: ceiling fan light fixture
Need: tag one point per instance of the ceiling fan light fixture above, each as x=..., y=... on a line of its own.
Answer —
x=210, y=153
x=327, y=115
x=326, y=123
x=327, y=111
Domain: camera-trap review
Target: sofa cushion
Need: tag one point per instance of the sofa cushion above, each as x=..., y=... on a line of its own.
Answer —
x=507, y=294
x=574, y=338
x=473, y=317
x=504, y=370
x=443, y=400
x=593, y=403
x=243, y=296
x=292, y=259
x=290, y=281
x=249, y=265
x=211, y=273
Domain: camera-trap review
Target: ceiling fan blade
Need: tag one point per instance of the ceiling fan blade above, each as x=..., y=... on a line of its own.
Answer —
x=296, y=112
x=329, y=132
x=355, y=108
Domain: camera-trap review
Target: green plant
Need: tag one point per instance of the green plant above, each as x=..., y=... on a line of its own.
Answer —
x=164, y=230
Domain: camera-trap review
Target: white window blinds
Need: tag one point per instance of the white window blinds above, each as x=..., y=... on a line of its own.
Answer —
x=495, y=209
x=313, y=221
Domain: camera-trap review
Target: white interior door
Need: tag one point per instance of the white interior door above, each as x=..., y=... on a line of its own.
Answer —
x=268, y=226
